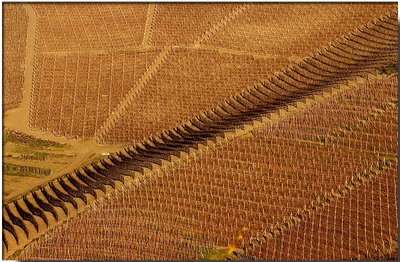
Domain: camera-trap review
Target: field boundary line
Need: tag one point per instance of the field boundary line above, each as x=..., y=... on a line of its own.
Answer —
x=133, y=92
x=219, y=49
x=148, y=31
x=223, y=22
x=313, y=207
x=30, y=53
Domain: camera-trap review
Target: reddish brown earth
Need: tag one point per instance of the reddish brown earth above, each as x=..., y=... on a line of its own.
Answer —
x=105, y=74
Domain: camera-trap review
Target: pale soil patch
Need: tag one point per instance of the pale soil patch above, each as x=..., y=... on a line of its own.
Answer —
x=60, y=160
x=14, y=180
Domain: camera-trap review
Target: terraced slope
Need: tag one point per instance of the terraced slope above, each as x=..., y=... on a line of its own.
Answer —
x=359, y=55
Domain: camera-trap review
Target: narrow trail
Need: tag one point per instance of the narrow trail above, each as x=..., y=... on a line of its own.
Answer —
x=84, y=148
x=223, y=22
x=151, y=12
x=134, y=177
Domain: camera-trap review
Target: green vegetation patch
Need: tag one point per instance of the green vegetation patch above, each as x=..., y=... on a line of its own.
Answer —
x=218, y=253
x=40, y=156
x=18, y=170
x=21, y=138
x=25, y=153
x=389, y=69
x=21, y=153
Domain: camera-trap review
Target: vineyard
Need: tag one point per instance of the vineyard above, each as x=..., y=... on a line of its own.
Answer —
x=15, y=26
x=84, y=27
x=65, y=106
x=186, y=87
x=270, y=28
x=249, y=131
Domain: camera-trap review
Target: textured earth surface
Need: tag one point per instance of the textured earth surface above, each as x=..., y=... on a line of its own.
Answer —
x=245, y=131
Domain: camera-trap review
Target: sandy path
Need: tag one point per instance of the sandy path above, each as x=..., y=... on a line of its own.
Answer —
x=223, y=22
x=149, y=24
x=18, y=119
x=294, y=104
x=83, y=149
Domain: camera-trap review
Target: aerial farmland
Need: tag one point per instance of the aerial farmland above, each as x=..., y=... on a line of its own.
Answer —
x=204, y=131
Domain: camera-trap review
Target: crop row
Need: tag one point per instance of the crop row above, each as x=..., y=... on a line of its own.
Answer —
x=356, y=227
x=216, y=197
x=366, y=101
x=15, y=30
x=74, y=94
x=182, y=24
x=190, y=82
x=274, y=28
x=86, y=27
x=170, y=104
